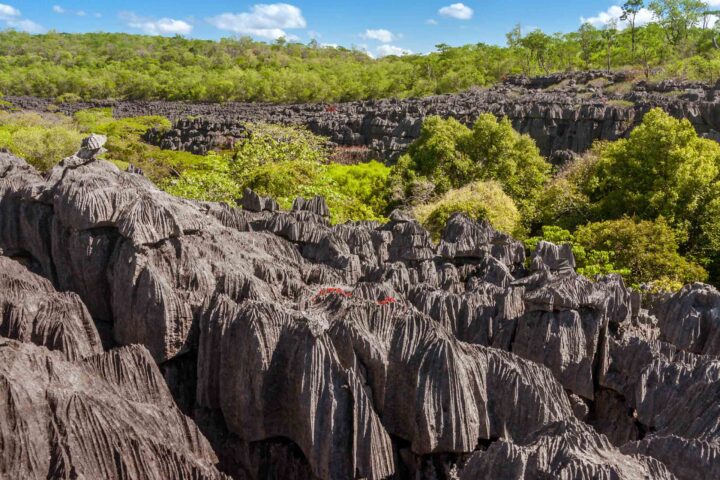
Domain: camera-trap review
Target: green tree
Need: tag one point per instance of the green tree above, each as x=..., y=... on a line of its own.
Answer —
x=677, y=17
x=663, y=169
x=538, y=44
x=42, y=140
x=588, y=37
x=588, y=261
x=651, y=45
x=648, y=249
x=630, y=10
x=609, y=35
x=448, y=155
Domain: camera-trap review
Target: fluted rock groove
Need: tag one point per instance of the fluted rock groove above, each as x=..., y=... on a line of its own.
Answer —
x=304, y=350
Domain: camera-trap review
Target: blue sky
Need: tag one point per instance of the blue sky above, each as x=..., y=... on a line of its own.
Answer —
x=380, y=27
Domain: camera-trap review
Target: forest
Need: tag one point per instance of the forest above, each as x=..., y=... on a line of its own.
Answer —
x=684, y=42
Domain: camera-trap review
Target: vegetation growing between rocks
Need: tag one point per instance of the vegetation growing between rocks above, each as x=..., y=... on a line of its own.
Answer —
x=283, y=162
x=449, y=155
x=479, y=200
x=645, y=207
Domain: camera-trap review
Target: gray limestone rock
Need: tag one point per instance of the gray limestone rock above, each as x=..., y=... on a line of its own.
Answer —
x=32, y=311
x=569, y=450
x=311, y=350
x=109, y=415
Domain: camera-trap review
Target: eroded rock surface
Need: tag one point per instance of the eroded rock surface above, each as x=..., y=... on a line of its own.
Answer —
x=309, y=350
x=32, y=311
x=570, y=450
x=109, y=415
x=563, y=113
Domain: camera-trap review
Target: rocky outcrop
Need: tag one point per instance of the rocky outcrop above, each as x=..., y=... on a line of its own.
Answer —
x=569, y=450
x=307, y=350
x=32, y=311
x=109, y=415
x=563, y=113
x=198, y=136
x=70, y=410
x=690, y=319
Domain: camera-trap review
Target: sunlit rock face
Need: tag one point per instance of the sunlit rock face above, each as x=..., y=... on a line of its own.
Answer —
x=305, y=350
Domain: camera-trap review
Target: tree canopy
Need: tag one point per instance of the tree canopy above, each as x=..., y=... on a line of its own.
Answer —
x=684, y=41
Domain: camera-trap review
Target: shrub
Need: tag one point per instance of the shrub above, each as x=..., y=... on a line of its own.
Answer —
x=269, y=144
x=436, y=156
x=125, y=145
x=367, y=182
x=42, y=140
x=589, y=262
x=565, y=202
x=508, y=157
x=648, y=249
x=644, y=252
x=211, y=182
x=479, y=200
x=448, y=155
x=352, y=192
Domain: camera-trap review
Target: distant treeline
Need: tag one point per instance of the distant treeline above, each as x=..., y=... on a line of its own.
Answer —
x=683, y=42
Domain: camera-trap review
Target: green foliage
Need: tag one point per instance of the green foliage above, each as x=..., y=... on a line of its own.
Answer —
x=648, y=249
x=125, y=145
x=71, y=67
x=677, y=17
x=449, y=155
x=510, y=158
x=42, y=140
x=367, y=182
x=479, y=200
x=290, y=162
x=644, y=252
x=434, y=162
x=284, y=162
x=663, y=169
x=589, y=261
x=352, y=192
x=116, y=65
x=565, y=201
x=211, y=181
x=270, y=144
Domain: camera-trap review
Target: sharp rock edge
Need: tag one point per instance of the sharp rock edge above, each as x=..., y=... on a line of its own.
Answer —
x=361, y=350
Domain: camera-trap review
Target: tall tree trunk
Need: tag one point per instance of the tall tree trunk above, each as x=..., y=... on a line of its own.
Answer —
x=608, y=57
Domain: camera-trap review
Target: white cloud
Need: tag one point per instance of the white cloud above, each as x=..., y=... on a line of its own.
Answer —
x=162, y=26
x=263, y=20
x=8, y=12
x=12, y=17
x=459, y=11
x=80, y=13
x=614, y=13
x=25, y=25
x=385, y=50
x=381, y=35
x=431, y=21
